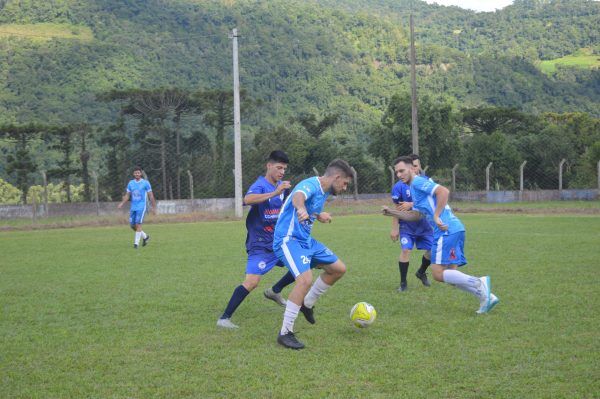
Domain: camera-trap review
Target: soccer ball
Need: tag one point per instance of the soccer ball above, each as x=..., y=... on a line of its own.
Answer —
x=363, y=315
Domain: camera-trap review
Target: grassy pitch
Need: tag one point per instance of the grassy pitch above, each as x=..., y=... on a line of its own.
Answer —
x=85, y=315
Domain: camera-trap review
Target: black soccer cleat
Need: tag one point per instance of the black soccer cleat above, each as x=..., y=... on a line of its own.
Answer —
x=290, y=341
x=308, y=314
x=145, y=240
x=135, y=246
x=403, y=286
x=423, y=278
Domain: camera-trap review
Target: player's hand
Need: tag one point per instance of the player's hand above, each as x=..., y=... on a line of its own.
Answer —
x=394, y=234
x=324, y=217
x=385, y=211
x=404, y=206
x=439, y=223
x=285, y=184
x=302, y=214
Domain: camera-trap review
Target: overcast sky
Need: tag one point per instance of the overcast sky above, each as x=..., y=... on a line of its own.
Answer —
x=477, y=5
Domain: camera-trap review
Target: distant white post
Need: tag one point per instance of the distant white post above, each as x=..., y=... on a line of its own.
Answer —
x=598, y=175
x=191, y=179
x=95, y=177
x=316, y=171
x=487, y=177
x=521, y=180
x=393, y=173
x=237, y=135
x=45, y=182
x=355, y=179
x=454, y=177
x=560, y=175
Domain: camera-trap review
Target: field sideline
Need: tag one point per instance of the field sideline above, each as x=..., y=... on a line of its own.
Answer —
x=85, y=315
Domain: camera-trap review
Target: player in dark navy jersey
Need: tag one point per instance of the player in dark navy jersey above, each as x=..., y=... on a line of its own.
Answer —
x=266, y=197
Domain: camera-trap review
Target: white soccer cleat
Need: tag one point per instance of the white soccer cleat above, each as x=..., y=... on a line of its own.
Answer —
x=226, y=323
x=484, y=294
x=275, y=297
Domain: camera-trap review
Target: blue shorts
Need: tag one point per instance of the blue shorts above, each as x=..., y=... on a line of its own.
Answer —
x=136, y=217
x=408, y=241
x=299, y=257
x=449, y=250
x=260, y=262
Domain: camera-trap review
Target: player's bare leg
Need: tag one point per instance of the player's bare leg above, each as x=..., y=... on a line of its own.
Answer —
x=331, y=273
x=295, y=300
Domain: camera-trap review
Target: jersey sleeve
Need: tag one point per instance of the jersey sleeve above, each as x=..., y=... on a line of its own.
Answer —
x=423, y=185
x=256, y=188
x=128, y=187
x=396, y=193
x=148, y=186
x=307, y=187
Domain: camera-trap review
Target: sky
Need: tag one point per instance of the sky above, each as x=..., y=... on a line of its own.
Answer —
x=477, y=5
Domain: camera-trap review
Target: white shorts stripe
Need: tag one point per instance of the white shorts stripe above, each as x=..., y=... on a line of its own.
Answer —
x=438, y=251
x=289, y=258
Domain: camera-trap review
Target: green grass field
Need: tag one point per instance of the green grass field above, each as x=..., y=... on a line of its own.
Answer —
x=85, y=315
x=42, y=32
x=584, y=58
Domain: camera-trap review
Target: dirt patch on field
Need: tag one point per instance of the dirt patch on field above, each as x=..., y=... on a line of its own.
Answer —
x=340, y=206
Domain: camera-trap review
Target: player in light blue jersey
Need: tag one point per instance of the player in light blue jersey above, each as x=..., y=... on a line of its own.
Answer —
x=138, y=189
x=447, y=253
x=410, y=234
x=265, y=196
x=300, y=252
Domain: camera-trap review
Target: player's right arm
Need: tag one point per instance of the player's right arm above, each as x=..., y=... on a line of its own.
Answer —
x=125, y=199
x=407, y=216
x=299, y=202
x=251, y=199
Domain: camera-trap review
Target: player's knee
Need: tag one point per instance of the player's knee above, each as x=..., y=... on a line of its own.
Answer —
x=438, y=274
x=304, y=281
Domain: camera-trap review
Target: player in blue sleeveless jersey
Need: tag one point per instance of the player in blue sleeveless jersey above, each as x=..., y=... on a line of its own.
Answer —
x=447, y=253
x=410, y=234
x=266, y=195
x=300, y=252
x=138, y=189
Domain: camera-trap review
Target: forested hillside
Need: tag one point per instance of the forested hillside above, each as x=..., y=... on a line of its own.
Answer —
x=342, y=59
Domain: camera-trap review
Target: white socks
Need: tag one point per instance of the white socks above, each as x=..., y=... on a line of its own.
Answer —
x=463, y=281
x=318, y=288
x=144, y=235
x=138, y=235
x=289, y=317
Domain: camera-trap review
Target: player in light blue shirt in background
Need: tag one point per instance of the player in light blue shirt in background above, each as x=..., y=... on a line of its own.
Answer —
x=293, y=244
x=447, y=253
x=138, y=190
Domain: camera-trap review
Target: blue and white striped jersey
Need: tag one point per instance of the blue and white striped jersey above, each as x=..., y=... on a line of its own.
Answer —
x=288, y=224
x=425, y=201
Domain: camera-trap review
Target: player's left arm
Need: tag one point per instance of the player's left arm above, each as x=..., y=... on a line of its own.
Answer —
x=407, y=216
x=441, y=195
x=152, y=201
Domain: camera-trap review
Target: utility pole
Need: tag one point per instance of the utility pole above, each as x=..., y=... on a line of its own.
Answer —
x=237, y=135
x=413, y=85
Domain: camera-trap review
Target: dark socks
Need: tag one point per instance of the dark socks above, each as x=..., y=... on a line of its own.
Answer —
x=286, y=280
x=424, y=265
x=236, y=298
x=403, y=270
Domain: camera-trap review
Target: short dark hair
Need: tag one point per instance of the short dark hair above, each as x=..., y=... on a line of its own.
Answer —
x=406, y=159
x=414, y=157
x=278, y=156
x=137, y=168
x=339, y=165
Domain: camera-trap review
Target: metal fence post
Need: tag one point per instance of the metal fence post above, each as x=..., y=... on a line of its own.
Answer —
x=598, y=175
x=393, y=176
x=34, y=206
x=96, y=195
x=45, y=196
x=191, y=178
x=316, y=171
x=521, y=180
x=560, y=175
x=487, y=177
x=355, y=178
x=454, y=177
x=425, y=169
